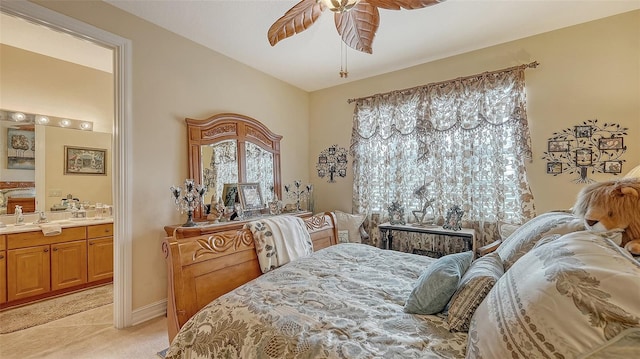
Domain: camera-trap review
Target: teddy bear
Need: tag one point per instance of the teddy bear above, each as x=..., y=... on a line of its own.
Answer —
x=612, y=205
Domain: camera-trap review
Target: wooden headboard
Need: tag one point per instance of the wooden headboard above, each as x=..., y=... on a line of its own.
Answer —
x=202, y=268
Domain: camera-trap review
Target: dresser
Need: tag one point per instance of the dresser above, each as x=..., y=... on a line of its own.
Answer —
x=209, y=228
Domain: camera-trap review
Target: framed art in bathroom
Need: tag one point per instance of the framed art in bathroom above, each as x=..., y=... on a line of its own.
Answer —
x=84, y=161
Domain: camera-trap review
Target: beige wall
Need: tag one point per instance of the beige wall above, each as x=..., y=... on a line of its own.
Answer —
x=35, y=83
x=586, y=71
x=174, y=78
x=92, y=188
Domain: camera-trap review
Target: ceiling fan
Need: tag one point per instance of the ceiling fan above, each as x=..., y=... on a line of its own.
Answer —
x=356, y=20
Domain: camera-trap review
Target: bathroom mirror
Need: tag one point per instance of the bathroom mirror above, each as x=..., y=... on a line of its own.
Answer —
x=233, y=148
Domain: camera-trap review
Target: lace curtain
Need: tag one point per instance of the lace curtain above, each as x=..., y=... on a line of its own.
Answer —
x=469, y=135
x=223, y=167
x=260, y=169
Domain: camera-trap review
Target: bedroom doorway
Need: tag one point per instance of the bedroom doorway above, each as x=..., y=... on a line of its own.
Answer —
x=121, y=49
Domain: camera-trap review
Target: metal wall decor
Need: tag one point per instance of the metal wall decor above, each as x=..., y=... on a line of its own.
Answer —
x=331, y=162
x=454, y=218
x=588, y=147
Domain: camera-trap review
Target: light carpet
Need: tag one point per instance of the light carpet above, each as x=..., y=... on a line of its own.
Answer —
x=27, y=316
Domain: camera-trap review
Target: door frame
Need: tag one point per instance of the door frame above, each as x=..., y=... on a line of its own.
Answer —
x=121, y=142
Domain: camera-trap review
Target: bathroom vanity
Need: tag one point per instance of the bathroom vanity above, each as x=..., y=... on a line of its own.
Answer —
x=34, y=266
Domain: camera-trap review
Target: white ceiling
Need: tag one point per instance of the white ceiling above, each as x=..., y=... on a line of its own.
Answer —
x=311, y=60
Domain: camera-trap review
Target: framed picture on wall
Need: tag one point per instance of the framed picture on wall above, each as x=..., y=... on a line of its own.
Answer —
x=84, y=161
x=21, y=149
x=613, y=143
x=558, y=146
x=554, y=168
x=613, y=167
x=583, y=131
x=584, y=157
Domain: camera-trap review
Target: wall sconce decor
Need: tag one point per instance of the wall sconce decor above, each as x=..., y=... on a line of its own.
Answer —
x=331, y=162
x=590, y=146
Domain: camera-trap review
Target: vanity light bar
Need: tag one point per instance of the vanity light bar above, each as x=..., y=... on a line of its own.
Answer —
x=30, y=118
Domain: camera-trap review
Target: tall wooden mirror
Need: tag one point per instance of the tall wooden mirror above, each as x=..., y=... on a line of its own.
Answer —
x=233, y=148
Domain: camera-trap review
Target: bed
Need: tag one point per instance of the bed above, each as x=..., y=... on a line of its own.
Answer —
x=349, y=301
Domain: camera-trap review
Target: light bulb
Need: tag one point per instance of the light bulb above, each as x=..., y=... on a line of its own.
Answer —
x=18, y=116
x=85, y=125
x=340, y=5
x=65, y=123
x=43, y=120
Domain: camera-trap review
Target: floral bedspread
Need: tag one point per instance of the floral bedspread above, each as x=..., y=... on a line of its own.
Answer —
x=345, y=301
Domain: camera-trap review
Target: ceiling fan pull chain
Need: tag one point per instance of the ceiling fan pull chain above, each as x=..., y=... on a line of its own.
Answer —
x=344, y=73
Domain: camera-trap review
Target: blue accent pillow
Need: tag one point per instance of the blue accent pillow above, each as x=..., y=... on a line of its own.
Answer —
x=438, y=283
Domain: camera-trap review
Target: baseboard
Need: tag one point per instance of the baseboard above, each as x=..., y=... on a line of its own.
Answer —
x=149, y=312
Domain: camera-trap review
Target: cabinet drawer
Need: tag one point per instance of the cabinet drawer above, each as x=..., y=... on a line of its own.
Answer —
x=3, y=242
x=100, y=230
x=36, y=238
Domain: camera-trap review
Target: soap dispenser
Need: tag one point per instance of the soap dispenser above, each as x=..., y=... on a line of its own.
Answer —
x=19, y=216
x=82, y=213
x=74, y=210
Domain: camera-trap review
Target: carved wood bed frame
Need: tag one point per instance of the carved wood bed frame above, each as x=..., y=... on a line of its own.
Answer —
x=202, y=268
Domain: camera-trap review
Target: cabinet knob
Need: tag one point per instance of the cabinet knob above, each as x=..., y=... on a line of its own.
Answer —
x=55, y=249
x=46, y=250
x=91, y=243
x=1, y=256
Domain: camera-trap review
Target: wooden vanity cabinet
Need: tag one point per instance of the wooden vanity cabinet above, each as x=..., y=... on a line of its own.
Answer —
x=3, y=268
x=37, y=264
x=28, y=272
x=100, y=252
x=34, y=266
x=68, y=264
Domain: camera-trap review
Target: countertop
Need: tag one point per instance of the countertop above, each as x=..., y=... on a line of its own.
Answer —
x=64, y=223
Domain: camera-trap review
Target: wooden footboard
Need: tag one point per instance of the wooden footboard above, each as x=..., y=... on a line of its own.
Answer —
x=202, y=268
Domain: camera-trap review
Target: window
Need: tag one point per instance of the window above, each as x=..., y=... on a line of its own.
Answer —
x=469, y=135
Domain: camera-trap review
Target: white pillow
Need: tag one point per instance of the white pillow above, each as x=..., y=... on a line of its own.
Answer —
x=528, y=234
x=563, y=299
x=351, y=223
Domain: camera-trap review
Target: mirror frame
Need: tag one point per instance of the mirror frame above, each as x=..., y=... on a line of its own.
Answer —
x=231, y=126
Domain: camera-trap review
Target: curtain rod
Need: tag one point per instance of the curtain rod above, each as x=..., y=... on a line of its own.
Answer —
x=523, y=66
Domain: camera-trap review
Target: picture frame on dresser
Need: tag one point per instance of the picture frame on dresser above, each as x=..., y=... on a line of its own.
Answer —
x=230, y=194
x=250, y=196
x=454, y=218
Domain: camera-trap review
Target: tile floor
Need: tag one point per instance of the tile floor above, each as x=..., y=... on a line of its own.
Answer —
x=87, y=335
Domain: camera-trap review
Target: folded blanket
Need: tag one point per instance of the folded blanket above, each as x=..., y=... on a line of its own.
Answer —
x=51, y=229
x=280, y=240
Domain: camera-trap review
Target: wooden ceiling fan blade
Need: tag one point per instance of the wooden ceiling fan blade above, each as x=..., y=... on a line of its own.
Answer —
x=358, y=26
x=402, y=4
x=299, y=18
